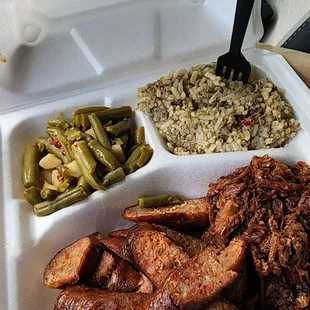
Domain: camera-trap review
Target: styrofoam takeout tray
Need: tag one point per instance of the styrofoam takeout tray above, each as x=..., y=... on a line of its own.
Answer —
x=67, y=54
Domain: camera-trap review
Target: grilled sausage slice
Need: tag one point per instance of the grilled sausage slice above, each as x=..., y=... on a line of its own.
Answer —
x=107, y=265
x=85, y=298
x=221, y=305
x=189, y=244
x=119, y=233
x=74, y=263
x=154, y=253
x=146, y=286
x=234, y=257
x=118, y=246
x=201, y=279
x=193, y=213
x=124, y=278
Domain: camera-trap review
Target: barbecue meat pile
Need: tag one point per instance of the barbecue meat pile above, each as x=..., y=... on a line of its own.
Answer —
x=243, y=246
x=268, y=203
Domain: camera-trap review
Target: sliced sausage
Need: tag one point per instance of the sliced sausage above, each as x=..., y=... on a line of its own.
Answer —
x=118, y=246
x=124, y=278
x=74, y=263
x=221, y=304
x=189, y=244
x=193, y=213
x=234, y=258
x=154, y=253
x=107, y=265
x=146, y=286
x=85, y=298
x=202, y=278
x=119, y=233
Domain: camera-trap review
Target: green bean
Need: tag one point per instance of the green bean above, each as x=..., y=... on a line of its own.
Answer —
x=63, y=170
x=84, y=121
x=99, y=131
x=49, y=186
x=53, y=149
x=130, y=144
x=59, y=135
x=53, y=122
x=67, y=182
x=89, y=110
x=109, y=123
x=69, y=146
x=32, y=195
x=83, y=183
x=87, y=137
x=145, y=157
x=59, y=123
x=119, y=128
x=132, y=158
x=117, y=151
x=139, y=135
x=62, y=201
x=139, y=158
x=118, y=141
x=160, y=200
x=31, y=171
x=125, y=139
x=49, y=194
x=132, y=149
x=101, y=170
x=103, y=155
x=74, y=134
x=116, y=114
x=86, y=163
x=77, y=121
x=114, y=177
x=40, y=147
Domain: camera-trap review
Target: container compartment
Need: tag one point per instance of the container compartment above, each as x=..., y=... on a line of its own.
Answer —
x=93, y=69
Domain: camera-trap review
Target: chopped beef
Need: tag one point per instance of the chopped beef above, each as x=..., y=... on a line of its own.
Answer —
x=267, y=202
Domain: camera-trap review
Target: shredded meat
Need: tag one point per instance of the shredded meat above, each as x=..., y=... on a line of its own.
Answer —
x=268, y=202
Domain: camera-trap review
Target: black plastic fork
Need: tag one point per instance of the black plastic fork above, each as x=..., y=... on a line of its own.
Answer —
x=234, y=63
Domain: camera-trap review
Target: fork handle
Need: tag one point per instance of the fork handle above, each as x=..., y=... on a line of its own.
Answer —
x=242, y=17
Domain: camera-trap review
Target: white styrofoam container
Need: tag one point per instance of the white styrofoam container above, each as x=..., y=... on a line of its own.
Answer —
x=65, y=54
